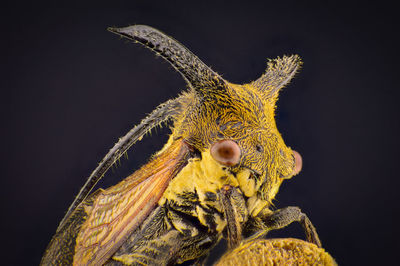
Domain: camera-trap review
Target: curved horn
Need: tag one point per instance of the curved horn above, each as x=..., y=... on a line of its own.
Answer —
x=194, y=71
x=278, y=74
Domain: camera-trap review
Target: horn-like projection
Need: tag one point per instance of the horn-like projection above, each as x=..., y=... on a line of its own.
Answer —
x=159, y=115
x=278, y=74
x=194, y=71
x=198, y=75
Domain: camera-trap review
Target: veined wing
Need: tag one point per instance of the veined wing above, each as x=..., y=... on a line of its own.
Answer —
x=119, y=210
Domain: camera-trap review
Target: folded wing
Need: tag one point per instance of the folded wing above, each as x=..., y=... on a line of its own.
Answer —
x=119, y=210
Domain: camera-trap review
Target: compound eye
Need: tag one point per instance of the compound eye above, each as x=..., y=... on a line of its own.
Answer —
x=226, y=152
x=298, y=162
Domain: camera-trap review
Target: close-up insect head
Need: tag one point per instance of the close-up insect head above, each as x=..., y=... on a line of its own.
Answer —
x=216, y=176
x=200, y=133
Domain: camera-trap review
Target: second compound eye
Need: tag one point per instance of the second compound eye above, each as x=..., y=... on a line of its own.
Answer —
x=226, y=152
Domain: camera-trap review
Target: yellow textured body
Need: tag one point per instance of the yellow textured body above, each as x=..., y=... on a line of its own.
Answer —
x=202, y=176
x=184, y=200
x=206, y=175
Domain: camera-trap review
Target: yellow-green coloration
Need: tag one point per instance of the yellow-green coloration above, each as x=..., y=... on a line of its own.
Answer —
x=201, y=176
x=245, y=114
x=180, y=204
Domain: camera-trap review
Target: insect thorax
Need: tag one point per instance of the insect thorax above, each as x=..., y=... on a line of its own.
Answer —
x=190, y=219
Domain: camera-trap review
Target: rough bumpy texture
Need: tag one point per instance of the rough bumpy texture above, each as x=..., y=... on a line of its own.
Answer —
x=183, y=201
x=193, y=70
x=286, y=251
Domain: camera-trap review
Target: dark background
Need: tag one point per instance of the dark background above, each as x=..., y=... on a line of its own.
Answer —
x=69, y=89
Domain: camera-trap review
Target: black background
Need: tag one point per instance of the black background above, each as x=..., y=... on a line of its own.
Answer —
x=69, y=89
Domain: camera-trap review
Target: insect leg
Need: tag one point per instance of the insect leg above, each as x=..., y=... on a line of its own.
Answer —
x=201, y=261
x=282, y=218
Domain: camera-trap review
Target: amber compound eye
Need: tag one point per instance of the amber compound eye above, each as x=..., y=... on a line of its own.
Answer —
x=226, y=152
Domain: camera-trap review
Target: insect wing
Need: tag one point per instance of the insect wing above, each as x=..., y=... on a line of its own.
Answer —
x=119, y=210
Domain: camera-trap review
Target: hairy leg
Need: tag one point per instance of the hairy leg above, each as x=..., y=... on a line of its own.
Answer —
x=281, y=218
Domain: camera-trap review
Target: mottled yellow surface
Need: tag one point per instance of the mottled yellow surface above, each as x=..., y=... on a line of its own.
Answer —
x=212, y=110
x=281, y=251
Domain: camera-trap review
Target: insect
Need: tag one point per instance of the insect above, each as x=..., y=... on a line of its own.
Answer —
x=215, y=177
